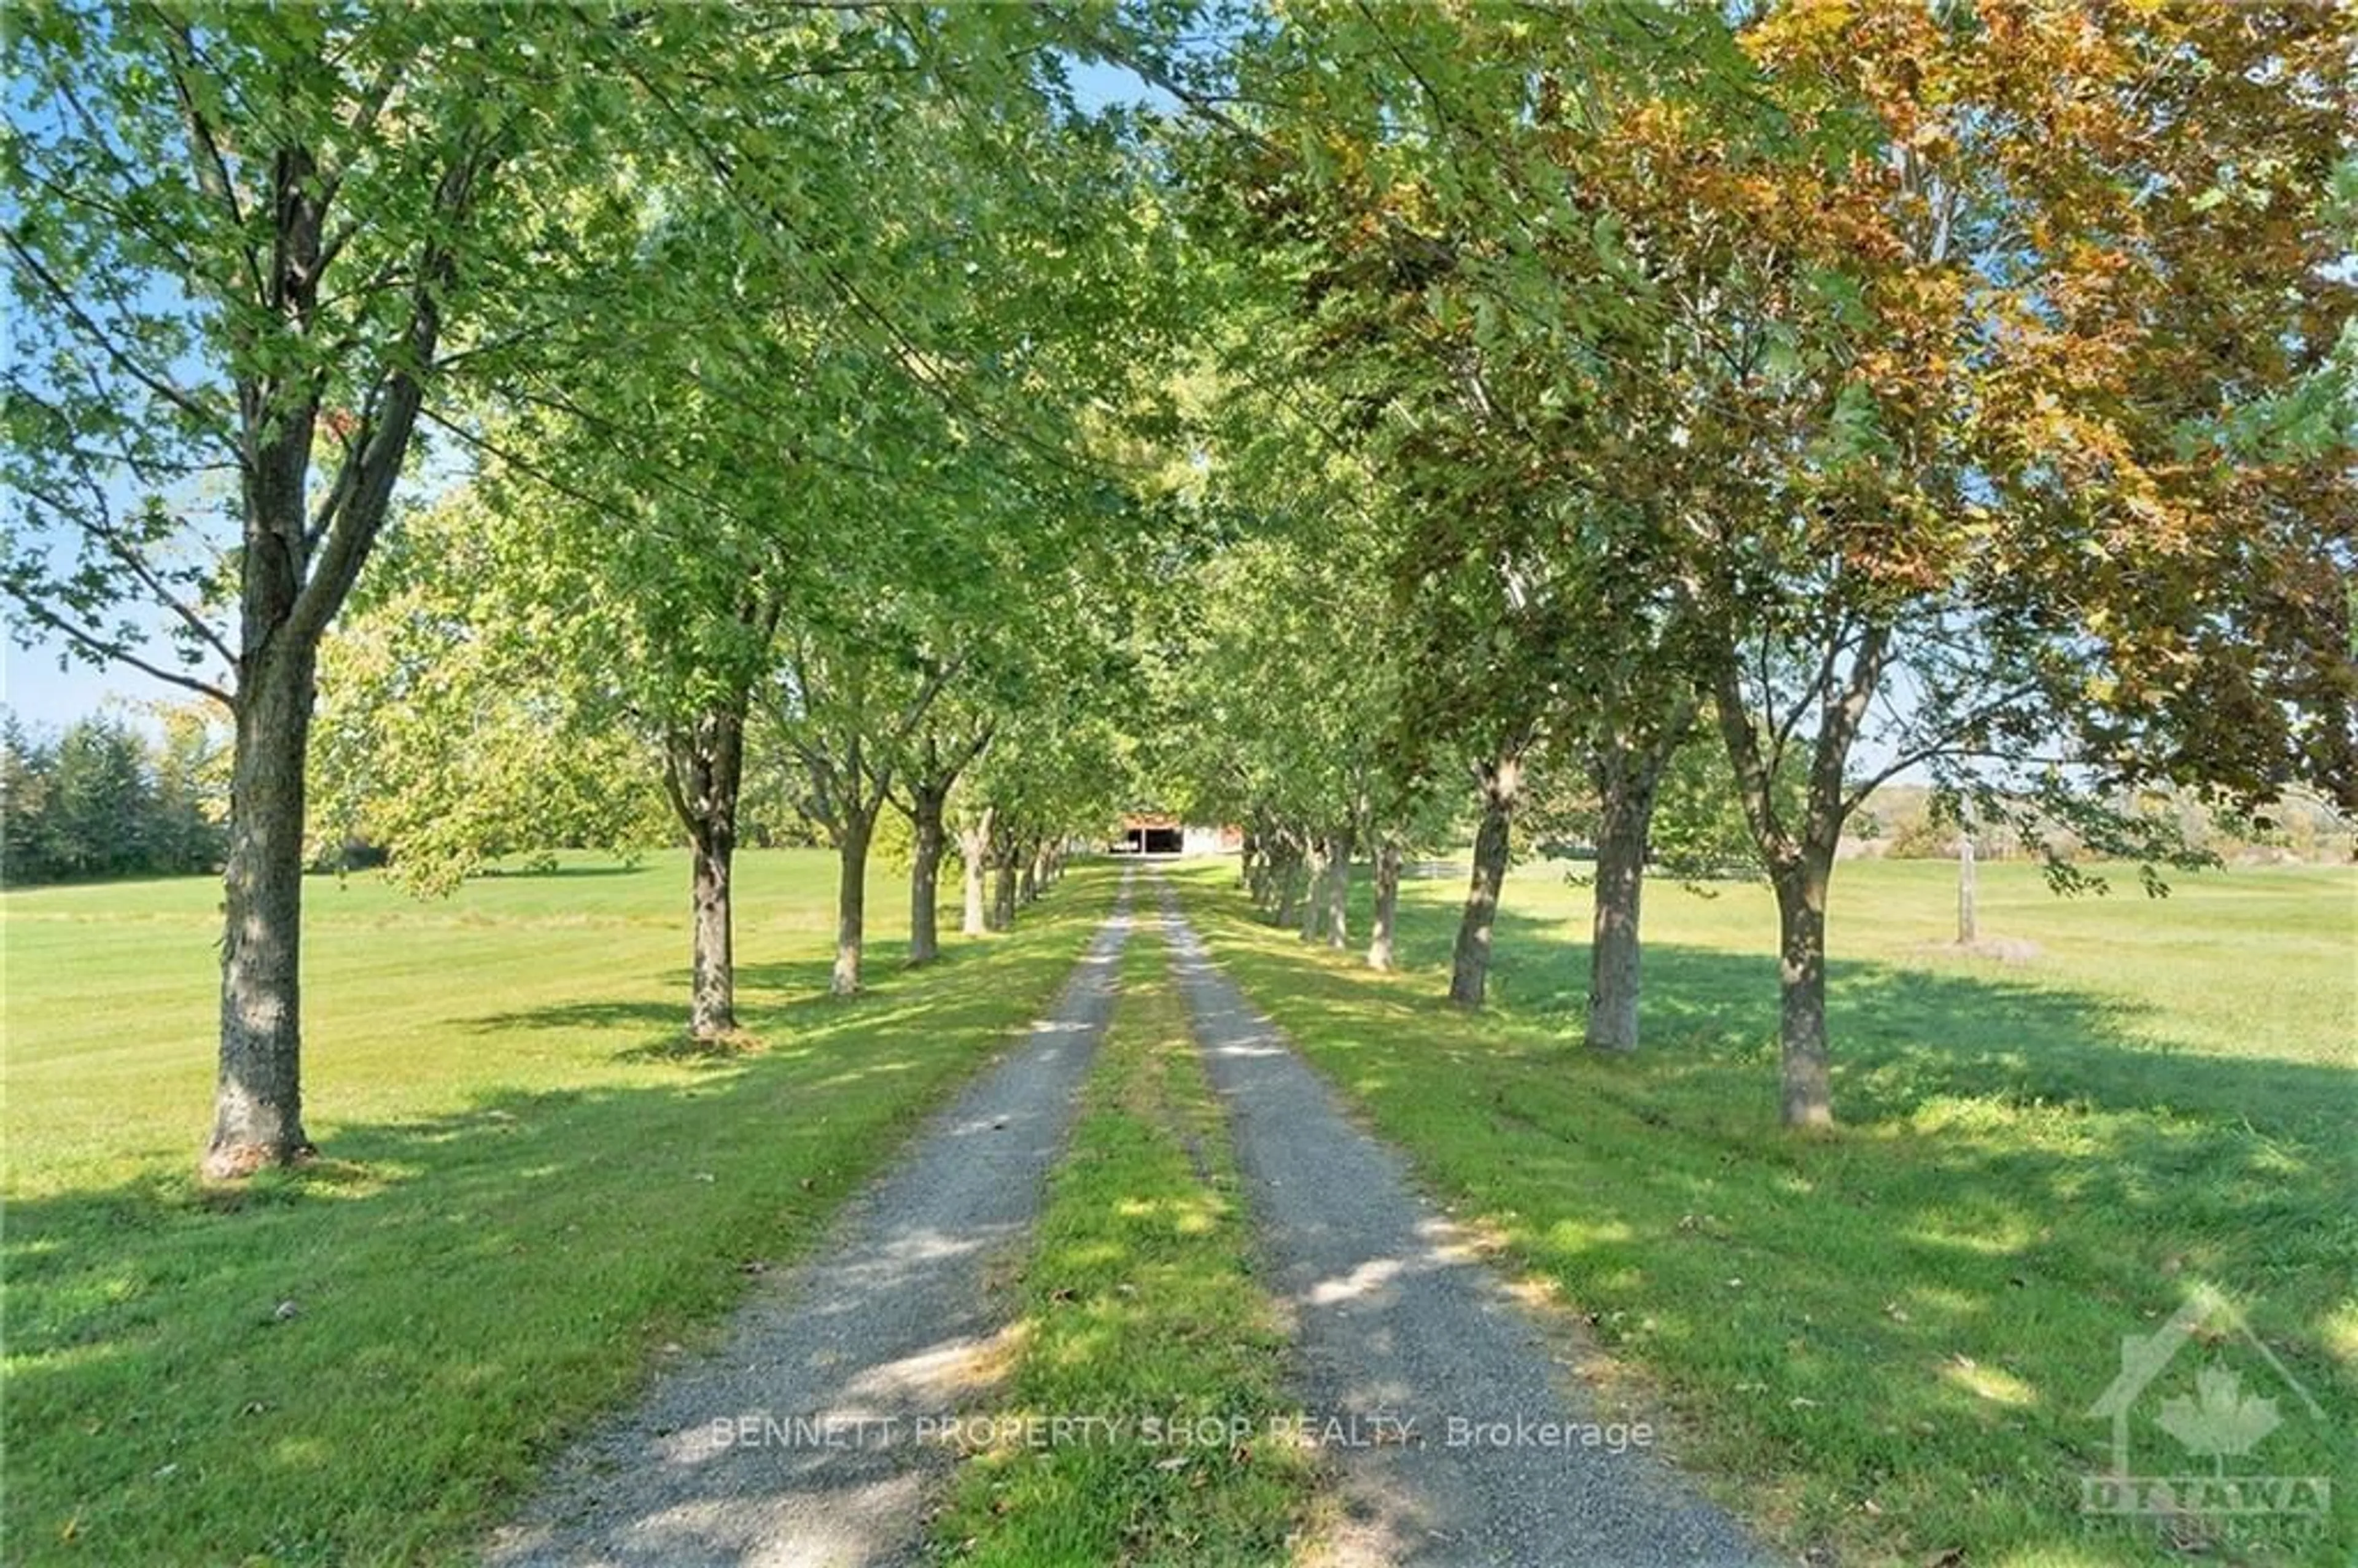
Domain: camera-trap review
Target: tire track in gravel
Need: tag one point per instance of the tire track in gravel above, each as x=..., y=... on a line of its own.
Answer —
x=1402, y=1328
x=890, y=1322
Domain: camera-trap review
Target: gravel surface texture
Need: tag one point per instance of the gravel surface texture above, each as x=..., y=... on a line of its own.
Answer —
x=813, y=1434
x=1455, y=1431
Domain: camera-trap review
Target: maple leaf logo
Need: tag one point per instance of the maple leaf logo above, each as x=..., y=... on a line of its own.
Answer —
x=2220, y=1418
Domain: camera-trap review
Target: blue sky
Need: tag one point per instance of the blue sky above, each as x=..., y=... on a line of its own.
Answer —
x=37, y=692
x=1096, y=84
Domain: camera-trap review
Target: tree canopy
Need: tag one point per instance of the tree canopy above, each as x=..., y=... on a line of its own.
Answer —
x=1387, y=421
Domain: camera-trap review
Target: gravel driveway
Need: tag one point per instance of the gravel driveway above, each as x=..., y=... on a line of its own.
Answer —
x=1400, y=1331
x=801, y=1440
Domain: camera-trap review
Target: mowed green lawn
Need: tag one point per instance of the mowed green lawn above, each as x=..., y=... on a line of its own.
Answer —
x=530, y=1195
x=1883, y=1345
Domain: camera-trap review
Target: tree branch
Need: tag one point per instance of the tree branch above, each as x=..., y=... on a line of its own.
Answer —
x=104, y=530
x=1842, y=713
x=204, y=151
x=100, y=339
x=378, y=463
x=107, y=650
x=1752, y=776
x=1943, y=745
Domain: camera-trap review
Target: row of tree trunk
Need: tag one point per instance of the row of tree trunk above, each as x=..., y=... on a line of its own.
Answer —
x=1301, y=878
x=850, y=791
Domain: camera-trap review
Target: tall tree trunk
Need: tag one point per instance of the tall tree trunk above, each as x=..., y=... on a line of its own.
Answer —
x=1314, y=901
x=851, y=898
x=1628, y=772
x=1807, y=1085
x=1626, y=785
x=1469, y=970
x=925, y=874
x=1338, y=890
x=974, y=848
x=1800, y=862
x=1287, y=878
x=704, y=769
x=1027, y=880
x=1614, y=955
x=1388, y=876
x=1969, y=928
x=712, y=963
x=296, y=569
x=258, y=1101
x=1002, y=902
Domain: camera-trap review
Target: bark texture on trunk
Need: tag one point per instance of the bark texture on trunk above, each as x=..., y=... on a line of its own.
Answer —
x=713, y=965
x=258, y=1099
x=851, y=900
x=925, y=875
x=1388, y=876
x=1627, y=770
x=974, y=848
x=1469, y=968
x=1313, y=893
x=1002, y=901
x=1807, y=1083
x=1338, y=891
x=704, y=769
x=1626, y=787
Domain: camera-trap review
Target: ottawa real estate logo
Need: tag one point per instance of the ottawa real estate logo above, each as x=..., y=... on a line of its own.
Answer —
x=2192, y=1411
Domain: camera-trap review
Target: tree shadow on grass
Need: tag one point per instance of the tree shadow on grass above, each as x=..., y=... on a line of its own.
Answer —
x=792, y=998
x=1917, y=1310
x=806, y=982
x=660, y=1029
x=1902, y=1035
x=368, y=1359
x=883, y=964
x=346, y=1325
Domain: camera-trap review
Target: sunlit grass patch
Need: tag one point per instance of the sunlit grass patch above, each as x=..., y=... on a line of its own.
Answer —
x=519, y=1212
x=1141, y=1317
x=1885, y=1343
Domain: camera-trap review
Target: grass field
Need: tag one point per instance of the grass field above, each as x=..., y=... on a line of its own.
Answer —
x=529, y=1197
x=1884, y=1345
